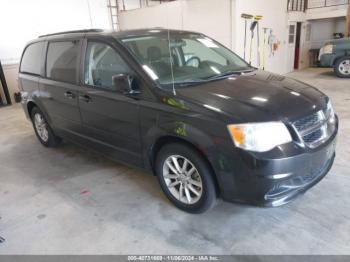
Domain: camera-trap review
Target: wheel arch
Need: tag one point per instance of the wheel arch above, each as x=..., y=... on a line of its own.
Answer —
x=337, y=58
x=30, y=106
x=169, y=139
x=336, y=66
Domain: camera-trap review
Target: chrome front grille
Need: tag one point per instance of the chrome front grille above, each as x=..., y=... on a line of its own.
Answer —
x=314, y=129
x=312, y=137
x=307, y=121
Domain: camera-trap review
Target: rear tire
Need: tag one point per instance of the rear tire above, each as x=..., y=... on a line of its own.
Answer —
x=42, y=129
x=185, y=178
x=342, y=67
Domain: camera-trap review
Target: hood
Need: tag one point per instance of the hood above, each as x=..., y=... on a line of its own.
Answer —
x=339, y=41
x=256, y=97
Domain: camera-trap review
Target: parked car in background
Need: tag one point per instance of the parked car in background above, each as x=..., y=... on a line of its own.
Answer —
x=183, y=107
x=336, y=54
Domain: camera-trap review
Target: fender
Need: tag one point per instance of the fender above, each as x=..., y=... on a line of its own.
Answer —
x=338, y=56
x=34, y=98
x=184, y=130
x=175, y=131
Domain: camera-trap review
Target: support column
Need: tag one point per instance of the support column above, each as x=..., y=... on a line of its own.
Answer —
x=4, y=86
x=347, y=23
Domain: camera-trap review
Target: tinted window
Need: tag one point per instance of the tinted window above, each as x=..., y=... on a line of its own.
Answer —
x=193, y=48
x=102, y=62
x=183, y=57
x=31, y=60
x=62, y=58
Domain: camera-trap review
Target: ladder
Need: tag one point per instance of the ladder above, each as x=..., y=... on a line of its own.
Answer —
x=114, y=11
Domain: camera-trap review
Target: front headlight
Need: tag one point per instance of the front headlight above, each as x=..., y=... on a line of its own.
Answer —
x=328, y=49
x=259, y=137
x=330, y=114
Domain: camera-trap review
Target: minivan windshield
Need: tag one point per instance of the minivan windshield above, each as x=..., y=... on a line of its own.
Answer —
x=184, y=58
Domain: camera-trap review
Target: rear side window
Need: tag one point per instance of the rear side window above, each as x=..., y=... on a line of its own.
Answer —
x=61, y=63
x=32, y=57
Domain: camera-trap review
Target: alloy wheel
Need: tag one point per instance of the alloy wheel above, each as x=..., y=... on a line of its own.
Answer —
x=344, y=67
x=41, y=127
x=182, y=179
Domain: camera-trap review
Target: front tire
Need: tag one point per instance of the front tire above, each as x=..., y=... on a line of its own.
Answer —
x=42, y=129
x=342, y=67
x=185, y=178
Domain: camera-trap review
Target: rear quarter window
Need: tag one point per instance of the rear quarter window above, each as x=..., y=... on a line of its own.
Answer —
x=32, y=58
x=62, y=59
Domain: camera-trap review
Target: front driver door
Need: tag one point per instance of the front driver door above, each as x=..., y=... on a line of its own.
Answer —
x=110, y=119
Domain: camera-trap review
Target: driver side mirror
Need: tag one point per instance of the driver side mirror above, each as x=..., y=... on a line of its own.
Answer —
x=126, y=84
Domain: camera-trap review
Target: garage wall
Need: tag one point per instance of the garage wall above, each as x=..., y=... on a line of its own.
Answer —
x=326, y=12
x=22, y=20
x=213, y=18
x=165, y=15
x=277, y=20
x=219, y=19
x=323, y=29
x=135, y=4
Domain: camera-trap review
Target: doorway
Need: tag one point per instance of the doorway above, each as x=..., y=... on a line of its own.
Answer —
x=294, y=35
x=292, y=29
x=297, y=47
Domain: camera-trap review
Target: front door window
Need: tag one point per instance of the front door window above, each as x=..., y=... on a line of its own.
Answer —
x=102, y=62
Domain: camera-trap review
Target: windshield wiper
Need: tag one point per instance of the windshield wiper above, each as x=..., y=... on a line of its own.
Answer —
x=211, y=78
x=187, y=82
x=230, y=73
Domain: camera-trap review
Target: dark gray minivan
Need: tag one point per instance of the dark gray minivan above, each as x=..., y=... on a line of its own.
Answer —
x=183, y=107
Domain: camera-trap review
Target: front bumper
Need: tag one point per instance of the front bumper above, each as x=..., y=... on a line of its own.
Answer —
x=274, y=179
x=281, y=191
x=327, y=60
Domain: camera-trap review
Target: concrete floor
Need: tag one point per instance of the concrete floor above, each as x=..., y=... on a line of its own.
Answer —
x=69, y=201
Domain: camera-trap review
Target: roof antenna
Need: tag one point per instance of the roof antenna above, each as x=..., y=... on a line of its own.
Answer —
x=170, y=57
x=88, y=4
x=171, y=64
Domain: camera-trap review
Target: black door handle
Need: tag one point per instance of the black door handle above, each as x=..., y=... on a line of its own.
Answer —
x=85, y=98
x=69, y=94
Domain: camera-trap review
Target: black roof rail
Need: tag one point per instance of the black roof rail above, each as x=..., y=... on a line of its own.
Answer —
x=74, y=31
